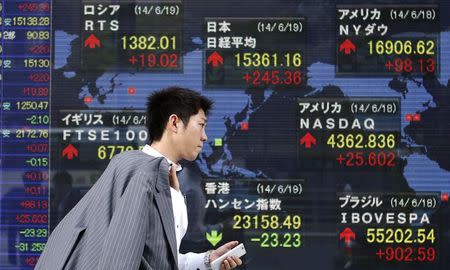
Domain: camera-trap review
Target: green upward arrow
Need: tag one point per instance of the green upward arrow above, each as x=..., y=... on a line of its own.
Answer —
x=213, y=237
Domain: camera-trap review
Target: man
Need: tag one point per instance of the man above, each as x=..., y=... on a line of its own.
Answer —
x=135, y=216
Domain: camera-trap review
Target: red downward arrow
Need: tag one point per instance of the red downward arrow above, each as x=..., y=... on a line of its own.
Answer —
x=92, y=41
x=70, y=151
x=308, y=140
x=215, y=58
x=347, y=235
x=347, y=46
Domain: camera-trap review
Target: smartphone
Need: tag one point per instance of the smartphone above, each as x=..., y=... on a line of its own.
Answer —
x=237, y=251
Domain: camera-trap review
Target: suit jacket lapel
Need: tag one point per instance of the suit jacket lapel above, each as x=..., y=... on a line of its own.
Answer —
x=164, y=205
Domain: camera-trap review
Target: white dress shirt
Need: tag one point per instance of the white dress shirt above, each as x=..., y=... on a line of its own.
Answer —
x=188, y=261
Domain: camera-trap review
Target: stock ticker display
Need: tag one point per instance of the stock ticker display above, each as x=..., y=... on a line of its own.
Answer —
x=328, y=144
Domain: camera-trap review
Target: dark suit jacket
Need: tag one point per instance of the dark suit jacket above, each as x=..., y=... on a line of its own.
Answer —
x=125, y=221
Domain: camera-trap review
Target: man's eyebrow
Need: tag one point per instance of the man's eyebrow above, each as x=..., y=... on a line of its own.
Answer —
x=204, y=119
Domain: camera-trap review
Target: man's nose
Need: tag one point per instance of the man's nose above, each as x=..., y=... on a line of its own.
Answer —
x=204, y=136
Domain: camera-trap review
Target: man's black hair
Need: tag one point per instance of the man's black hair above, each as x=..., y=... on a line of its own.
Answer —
x=173, y=100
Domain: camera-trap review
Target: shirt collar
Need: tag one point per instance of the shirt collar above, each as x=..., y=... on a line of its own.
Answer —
x=154, y=153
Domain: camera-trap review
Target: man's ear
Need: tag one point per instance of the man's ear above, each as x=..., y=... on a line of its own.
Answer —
x=173, y=123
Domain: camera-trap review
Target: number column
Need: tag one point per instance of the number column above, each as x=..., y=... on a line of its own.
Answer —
x=387, y=40
x=254, y=52
x=24, y=136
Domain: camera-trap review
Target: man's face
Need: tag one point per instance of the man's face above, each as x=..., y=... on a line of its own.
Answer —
x=192, y=136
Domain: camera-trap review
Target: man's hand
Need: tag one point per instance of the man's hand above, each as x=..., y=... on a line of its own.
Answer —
x=173, y=178
x=230, y=262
